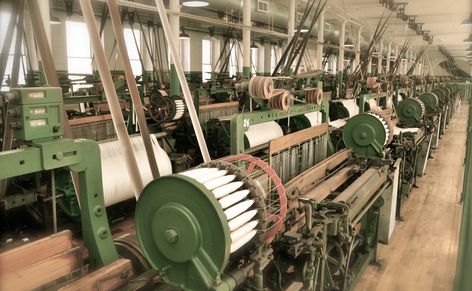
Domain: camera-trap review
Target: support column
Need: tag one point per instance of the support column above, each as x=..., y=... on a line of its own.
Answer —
x=247, y=38
x=174, y=21
x=341, y=47
x=194, y=52
x=267, y=59
x=380, y=58
x=389, y=56
x=319, y=46
x=369, y=65
x=260, y=60
x=358, y=47
x=340, y=68
x=215, y=53
x=291, y=19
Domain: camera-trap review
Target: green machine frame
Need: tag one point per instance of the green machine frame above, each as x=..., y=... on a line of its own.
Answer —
x=240, y=123
x=48, y=151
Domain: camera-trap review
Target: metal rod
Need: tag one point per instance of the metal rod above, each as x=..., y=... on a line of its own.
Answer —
x=183, y=81
x=53, y=201
x=112, y=98
x=133, y=89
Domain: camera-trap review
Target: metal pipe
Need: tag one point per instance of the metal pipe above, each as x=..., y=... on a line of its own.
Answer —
x=291, y=19
x=247, y=38
x=174, y=21
x=341, y=47
x=138, y=106
x=183, y=81
x=112, y=98
x=319, y=45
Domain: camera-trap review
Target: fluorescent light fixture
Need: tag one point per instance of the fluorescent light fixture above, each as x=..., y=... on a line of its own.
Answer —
x=468, y=21
x=348, y=43
x=54, y=20
x=195, y=3
x=303, y=29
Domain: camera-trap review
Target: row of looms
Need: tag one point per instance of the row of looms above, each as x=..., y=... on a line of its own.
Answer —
x=282, y=177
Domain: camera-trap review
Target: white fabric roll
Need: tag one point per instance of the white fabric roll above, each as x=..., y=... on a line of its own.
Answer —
x=337, y=123
x=117, y=186
x=261, y=133
x=315, y=118
x=351, y=107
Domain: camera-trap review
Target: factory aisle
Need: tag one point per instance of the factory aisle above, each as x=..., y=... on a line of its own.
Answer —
x=422, y=253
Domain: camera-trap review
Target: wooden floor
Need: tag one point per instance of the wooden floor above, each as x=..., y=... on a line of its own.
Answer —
x=423, y=249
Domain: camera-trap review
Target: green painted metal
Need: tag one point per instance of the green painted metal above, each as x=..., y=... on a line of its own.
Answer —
x=365, y=135
x=36, y=113
x=68, y=202
x=183, y=232
x=463, y=280
x=174, y=81
x=410, y=111
x=240, y=122
x=247, y=72
x=81, y=156
x=430, y=101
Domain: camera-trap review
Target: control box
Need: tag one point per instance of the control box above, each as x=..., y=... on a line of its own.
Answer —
x=36, y=113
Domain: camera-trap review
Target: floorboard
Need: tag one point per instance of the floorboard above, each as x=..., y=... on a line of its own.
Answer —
x=422, y=253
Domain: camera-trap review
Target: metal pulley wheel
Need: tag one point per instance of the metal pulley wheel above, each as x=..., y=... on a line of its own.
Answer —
x=366, y=134
x=189, y=224
x=411, y=111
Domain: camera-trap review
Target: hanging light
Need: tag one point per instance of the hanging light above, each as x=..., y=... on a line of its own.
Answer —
x=469, y=39
x=54, y=20
x=303, y=29
x=468, y=21
x=348, y=43
x=195, y=3
x=183, y=34
x=253, y=45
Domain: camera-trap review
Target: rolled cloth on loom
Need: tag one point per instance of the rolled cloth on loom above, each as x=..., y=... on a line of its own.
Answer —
x=115, y=178
x=315, y=118
x=351, y=106
x=263, y=132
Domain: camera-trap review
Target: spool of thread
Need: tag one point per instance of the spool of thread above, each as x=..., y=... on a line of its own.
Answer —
x=281, y=100
x=351, y=106
x=314, y=96
x=261, y=87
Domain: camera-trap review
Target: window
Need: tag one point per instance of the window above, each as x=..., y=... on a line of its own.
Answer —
x=79, y=55
x=4, y=21
x=206, y=60
x=262, y=6
x=134, y=48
